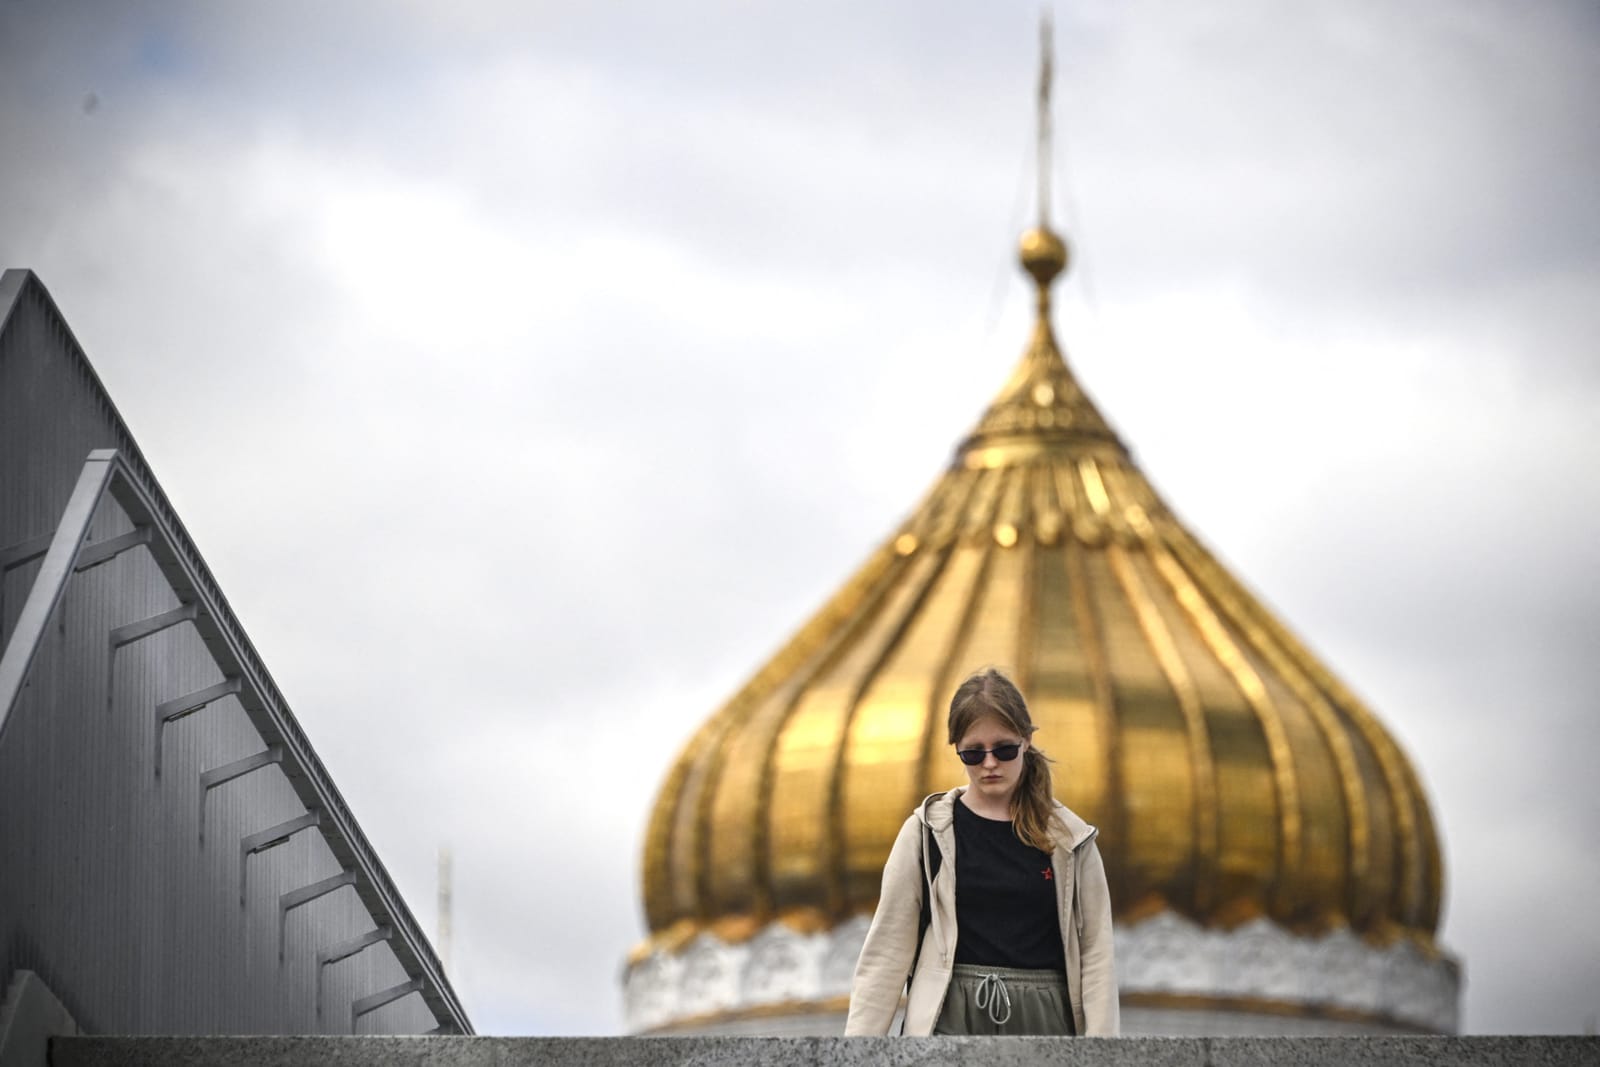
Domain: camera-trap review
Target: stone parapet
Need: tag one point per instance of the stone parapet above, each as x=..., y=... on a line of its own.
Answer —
x=824, y=1051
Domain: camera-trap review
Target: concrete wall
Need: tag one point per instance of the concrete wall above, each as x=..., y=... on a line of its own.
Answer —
x=832, y=1052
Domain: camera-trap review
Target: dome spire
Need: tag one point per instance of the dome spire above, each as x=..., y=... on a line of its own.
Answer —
x=1044, y=253
x=1046, y=75
x=1041, y=407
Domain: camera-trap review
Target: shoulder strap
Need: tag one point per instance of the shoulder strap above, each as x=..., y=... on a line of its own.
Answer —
x=925, y=918
x=930, y=848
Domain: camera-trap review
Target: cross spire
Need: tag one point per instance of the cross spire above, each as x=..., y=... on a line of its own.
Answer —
x=1044, y=253
x=1046, y=76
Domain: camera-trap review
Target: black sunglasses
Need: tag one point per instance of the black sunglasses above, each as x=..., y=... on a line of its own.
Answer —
x=974, y=756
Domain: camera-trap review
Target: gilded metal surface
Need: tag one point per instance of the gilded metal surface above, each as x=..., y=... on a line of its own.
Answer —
x=1231, y=775
x=1203, y=845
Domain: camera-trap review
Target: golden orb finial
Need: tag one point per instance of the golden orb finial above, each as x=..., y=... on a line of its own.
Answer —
x=1044, y=255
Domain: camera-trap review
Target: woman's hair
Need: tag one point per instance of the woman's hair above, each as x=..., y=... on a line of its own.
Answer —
x=990, y=693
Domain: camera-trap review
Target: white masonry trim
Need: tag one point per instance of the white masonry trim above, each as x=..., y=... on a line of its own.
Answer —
x=1166, y=954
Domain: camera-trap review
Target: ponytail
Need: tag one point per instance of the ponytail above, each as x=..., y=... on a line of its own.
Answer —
x=1033, y=807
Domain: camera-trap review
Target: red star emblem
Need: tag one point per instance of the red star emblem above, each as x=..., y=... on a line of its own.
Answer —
x=1048, y=874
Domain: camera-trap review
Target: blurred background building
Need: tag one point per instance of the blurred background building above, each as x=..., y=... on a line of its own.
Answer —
x=1272, y=857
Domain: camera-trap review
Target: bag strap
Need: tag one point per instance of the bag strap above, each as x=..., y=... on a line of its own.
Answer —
x=935, y=857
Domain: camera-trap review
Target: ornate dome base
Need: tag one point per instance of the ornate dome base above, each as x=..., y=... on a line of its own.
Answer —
x=777, y=977
x=1176, y=977
x=1171, y=969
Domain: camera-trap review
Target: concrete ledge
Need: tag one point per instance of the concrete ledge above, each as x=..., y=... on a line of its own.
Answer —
x=826, y=1051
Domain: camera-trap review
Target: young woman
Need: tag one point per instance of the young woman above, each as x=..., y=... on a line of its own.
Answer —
x=994, y=897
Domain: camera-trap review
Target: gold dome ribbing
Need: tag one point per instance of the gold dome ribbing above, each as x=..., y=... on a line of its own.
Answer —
x=1231, y=775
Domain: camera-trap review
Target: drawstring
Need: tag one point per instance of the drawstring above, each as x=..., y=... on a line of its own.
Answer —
x=993, y=996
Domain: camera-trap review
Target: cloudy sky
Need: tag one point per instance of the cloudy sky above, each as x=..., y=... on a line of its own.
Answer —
x=527, y=372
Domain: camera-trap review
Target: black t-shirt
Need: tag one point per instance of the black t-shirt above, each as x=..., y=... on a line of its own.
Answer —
x=1005, y=897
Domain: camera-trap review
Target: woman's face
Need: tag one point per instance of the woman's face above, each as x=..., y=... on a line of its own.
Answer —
x=992, y=778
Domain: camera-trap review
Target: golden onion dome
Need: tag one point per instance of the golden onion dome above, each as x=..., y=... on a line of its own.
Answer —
x=1232, y=776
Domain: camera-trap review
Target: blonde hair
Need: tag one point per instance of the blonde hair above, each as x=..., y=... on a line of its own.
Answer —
x=991, y=694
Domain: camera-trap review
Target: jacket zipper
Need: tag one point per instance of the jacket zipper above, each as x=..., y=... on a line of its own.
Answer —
x=1075, y=909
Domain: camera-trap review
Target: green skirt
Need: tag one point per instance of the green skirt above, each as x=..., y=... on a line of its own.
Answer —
x=1004, y=1000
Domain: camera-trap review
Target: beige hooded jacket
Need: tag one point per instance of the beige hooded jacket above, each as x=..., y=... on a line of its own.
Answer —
x=886, y=957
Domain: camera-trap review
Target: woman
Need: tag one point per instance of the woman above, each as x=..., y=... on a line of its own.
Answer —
x=1023, y=946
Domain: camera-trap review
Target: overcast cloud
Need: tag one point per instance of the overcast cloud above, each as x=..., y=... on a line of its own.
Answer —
x=527, y=373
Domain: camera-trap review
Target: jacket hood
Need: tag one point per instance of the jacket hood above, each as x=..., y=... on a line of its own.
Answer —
x=937, y=811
